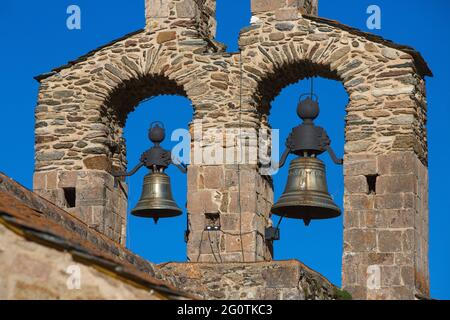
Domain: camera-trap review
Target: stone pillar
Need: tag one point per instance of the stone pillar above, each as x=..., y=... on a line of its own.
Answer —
x=90, y=196
x=234, y=198
x=285, y=9
x=213, y=200
x=198, y=14
x=385, y=226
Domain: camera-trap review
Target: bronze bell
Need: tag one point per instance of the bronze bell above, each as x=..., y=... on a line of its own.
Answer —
x=306, y=195
x=156, y=200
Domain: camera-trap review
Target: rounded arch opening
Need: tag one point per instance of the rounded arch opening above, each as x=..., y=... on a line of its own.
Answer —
x=133, y=106
x=319, y=245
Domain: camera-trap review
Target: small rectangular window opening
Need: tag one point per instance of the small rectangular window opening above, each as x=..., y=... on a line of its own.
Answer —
x=372, y=183
x=70, y=196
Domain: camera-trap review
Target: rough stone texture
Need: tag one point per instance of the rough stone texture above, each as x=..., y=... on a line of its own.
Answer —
x=201, y=14
x=50, y=234
x=83, y=106
x=280, y=280
x=283, y=7
x=386, y=229
x=98, y=203
x=30, y=271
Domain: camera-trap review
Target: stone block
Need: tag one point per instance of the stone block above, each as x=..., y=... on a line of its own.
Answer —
x=51, y=180
x=67, y=179
x=358, y=292
x=285, y=14
x=356, y=184
x=403, y=258
x=187, y=9
x=357, y=165
x=360, y=240
x=204, y=201
x=407, y=276
x=390, y=276
x=100, y=162
x=233, y=243
x=408, y=241
x=352, y=219
x=281, y=277
x=245, y=201
x=266, y=5
x=157, y=8
x=389, y=201
x=165, y=36
x=375, y=258
x=389, y=241
x=397, y=184
x=39, y=181
x=213, y=177
x=402, y=293
x=92, y=196
x=229, y=222
x=358, y=202
x=398, y=218
x=193, y=178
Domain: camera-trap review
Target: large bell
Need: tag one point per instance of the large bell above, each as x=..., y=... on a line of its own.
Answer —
x=156, y=200
x=306, y=195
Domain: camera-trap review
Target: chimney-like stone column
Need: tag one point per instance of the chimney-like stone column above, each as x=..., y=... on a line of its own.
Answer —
x=285, y=9
x=198, y=14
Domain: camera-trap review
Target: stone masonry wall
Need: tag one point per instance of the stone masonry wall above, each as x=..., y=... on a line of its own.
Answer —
x=31, y=271
x=285, y=9
x=280, y=280
x=386, y=228
x=169, y=13
x=83, y=107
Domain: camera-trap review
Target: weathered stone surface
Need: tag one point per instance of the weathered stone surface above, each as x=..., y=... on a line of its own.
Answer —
x=49, y=156
x=97, y=163
x=157, y=8
x=263, y=281
x=286, y=14
x=186, y=9
x=266, y=5
x=166, y=36
x=82, y=113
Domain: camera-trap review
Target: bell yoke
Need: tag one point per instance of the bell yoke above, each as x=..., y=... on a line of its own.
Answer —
x=156, y=199
x=306, y=194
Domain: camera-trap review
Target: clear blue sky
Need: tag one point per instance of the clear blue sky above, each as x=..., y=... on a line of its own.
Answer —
x=35, y=39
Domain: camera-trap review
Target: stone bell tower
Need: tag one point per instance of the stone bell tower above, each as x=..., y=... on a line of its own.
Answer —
x=82, y=108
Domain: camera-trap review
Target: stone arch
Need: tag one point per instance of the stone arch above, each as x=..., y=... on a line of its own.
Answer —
x=385, y=134
x=82, y=109
x=376, y=74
